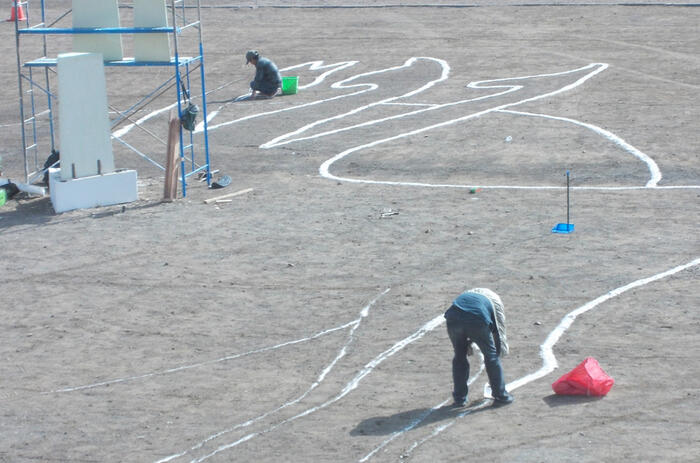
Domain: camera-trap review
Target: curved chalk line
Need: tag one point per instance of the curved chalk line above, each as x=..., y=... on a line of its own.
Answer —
x=438, y=429
x=351, y=337
x=423, y=415
x=349, y=387
x=546, y=352
x=502, y=108
x=335, y=67
x=343, y=84
x=654, y=171
x=324, y=169
x=427, y=107
x=313, y=65
x=318, y=65
x=202, y=364
x=549, y=361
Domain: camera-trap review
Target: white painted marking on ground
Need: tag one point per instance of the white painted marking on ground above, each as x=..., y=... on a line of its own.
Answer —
x=324, y=169
x=291, y=108
x=596, y=68
x=350, y=386
x=424, y=415
x=430, y=105
x=124, y=130
x=313, y=65
x=344, y=84
x=201, y=364
x=438, y=429
x=351, y=337
x=654, y=171
x=412, y=425
x=317, y=65
x=549, y=361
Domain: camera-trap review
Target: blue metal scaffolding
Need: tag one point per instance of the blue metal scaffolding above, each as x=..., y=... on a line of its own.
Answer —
x=36, y=75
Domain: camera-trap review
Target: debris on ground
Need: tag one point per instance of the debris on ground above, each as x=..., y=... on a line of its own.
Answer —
x=388, y=212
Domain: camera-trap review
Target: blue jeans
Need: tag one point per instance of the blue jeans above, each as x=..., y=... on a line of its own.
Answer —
x=462, y=327
x=265, y=88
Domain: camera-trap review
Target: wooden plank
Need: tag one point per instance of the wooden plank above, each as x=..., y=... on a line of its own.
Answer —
x=171, y=158
x=230, y=195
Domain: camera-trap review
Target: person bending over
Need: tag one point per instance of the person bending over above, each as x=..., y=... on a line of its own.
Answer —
x=477, y=316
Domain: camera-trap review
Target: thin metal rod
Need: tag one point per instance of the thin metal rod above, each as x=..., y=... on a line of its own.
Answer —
x=567, y=197
x=21, y=98
x=98, y=30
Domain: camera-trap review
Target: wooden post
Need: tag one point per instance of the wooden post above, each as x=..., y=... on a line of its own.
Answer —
x=171, y=158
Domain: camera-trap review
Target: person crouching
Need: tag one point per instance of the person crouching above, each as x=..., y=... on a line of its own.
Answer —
x=267, y=81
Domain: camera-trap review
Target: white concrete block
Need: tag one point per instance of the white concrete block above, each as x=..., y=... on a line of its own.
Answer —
x=97, y=13
x=83, y=117
x=151, y=47
x=117, y=187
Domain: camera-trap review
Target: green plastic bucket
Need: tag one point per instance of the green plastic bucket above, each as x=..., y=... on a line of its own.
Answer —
x=289, y=85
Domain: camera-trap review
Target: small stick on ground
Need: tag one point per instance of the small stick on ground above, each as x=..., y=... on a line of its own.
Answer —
x=230, y=195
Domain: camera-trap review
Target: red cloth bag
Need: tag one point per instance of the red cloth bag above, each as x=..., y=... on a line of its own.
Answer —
x=586, y=379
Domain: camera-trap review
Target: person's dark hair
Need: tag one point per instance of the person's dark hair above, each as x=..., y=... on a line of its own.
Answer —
x=251, y=55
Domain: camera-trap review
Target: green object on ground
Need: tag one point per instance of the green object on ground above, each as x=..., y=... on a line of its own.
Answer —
x=3, y=196
x=289, y=85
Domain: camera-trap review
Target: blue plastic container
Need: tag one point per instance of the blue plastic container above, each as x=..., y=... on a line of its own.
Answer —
x=563, y=228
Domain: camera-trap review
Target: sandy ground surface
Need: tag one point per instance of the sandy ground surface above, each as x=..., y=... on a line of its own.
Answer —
x=301, y=321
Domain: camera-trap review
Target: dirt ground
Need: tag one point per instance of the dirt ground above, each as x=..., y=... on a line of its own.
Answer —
x=301, y=321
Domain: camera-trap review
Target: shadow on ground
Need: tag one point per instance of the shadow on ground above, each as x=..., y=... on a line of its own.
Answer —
x=419, y=417
x=555, y=400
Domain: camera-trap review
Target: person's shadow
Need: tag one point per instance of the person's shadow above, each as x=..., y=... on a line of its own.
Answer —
x=419, y=417
x=229, y=100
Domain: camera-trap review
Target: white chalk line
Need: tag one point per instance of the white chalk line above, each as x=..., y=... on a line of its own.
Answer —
x=325, y=167
x=351, y=336
x=315, y=65
x=546, y=352
x=412, y=425
x=344, y=84
x=426, y=107
x=549, y=361
x=430, y=107
x=202, y=364
x=318, y=65
x=654, y=171
x=440, y=428
x=349, y=387
x=423, y=415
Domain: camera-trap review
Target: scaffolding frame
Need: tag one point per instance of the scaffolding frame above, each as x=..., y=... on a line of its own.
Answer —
x=183, y=67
